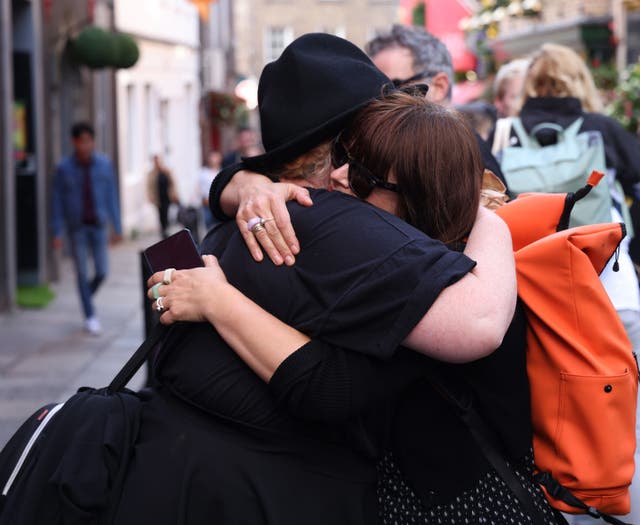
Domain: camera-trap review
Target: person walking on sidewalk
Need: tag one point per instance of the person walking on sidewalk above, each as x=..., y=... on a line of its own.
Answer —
x=161, y=191
x=85, y=201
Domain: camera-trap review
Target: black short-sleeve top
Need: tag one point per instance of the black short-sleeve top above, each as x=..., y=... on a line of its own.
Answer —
x=362, y=280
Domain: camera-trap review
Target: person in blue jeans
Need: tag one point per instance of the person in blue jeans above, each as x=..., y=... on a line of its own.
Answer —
x=85, y=202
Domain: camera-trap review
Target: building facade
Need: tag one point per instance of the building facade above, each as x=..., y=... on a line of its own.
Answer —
x=157, y=104
x=263, y=28
x=598, y=29
x=218, y=76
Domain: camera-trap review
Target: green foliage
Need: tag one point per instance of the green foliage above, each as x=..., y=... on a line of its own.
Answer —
x=605, y=76
x=418, y=16
x=126, y=51
x=225, y=108
x=625, y=106
x=93, y=48
x=34, y=296
x=96, y=48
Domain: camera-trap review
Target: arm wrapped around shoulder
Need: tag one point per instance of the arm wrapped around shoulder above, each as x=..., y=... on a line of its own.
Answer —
x=469, y=318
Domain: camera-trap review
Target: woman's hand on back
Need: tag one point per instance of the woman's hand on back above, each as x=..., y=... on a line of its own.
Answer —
x=258, y=197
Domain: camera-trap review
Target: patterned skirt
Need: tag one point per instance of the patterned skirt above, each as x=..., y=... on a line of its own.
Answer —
x=489, y=502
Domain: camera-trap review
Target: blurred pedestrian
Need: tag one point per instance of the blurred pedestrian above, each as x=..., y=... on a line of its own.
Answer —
x=246, y=146
x=161, y=190
x=559, y=88
x=507, y=87
x=208, y=172
x=412, y=55
x=84, y=202
x=481, y=115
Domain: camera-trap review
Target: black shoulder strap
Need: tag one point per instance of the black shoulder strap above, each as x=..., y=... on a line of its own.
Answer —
x=138, y=358
x=486, y=441
x=563, y=494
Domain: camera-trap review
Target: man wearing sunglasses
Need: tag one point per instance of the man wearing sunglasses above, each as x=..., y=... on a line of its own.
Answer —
x=411, y=55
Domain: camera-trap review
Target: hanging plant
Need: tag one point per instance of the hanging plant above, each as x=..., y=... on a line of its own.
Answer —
x=626, y=101
x=224, y=108
x=93, y=48
x=126, y=52
x=97, y=48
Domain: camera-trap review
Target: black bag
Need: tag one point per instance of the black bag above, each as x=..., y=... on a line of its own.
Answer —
x=189, y=217
x=67, y=462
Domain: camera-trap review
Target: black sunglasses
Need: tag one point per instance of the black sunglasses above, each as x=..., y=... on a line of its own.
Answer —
x=361, y=181
x=402, y=82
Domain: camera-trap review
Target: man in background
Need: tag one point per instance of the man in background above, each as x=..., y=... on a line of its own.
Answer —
x=85, y=202
x=246, y=146
x=412, y=55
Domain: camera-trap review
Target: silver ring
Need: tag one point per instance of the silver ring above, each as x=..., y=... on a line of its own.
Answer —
x=155, y=290
x=159, y=305
x=257, y=224
x=168, y=275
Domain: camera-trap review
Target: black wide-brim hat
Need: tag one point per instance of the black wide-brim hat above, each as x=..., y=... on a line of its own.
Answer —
x=309, y=94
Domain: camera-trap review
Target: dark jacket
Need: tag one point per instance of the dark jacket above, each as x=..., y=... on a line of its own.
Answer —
x=66, y=208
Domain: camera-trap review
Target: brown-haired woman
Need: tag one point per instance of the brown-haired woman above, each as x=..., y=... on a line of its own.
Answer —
x=419, y=161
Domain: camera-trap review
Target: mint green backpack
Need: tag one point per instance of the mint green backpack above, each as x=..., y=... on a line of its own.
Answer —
x=560, y=168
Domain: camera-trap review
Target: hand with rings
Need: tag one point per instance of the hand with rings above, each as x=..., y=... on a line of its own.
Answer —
x=256, y=224
x=263, y=217
x=186, y=295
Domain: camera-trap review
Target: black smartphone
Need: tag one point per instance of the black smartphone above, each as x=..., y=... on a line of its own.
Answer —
x=179, y=251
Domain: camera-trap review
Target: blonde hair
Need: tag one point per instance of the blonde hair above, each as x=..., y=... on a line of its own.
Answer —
x=558, y=71
x=313, y=167
x=514, y=69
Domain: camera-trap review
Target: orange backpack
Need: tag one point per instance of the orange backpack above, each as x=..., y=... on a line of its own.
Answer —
x=581, y=367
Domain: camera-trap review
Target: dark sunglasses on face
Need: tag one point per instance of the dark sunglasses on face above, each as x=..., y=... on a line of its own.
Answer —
x=361, y=181
x=402, y=82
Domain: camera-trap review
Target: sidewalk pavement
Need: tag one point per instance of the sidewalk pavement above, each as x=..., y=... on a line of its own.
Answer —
x=45, y=355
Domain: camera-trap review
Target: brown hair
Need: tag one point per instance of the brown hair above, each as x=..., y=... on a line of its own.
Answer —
x=433, y=154
x=558, y=71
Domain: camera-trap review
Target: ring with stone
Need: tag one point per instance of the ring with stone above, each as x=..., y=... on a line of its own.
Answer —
x=155, y=290
x=168, y=274
x=159, y=305
x=252, y=223
x=257, y=224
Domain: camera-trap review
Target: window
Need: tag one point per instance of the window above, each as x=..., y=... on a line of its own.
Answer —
x=276, y=39
x=336, y=31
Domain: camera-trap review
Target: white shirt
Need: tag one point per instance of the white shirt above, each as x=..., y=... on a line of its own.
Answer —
x=206, y=178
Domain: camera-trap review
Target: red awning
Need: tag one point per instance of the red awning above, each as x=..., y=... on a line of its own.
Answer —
x=442, y=19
